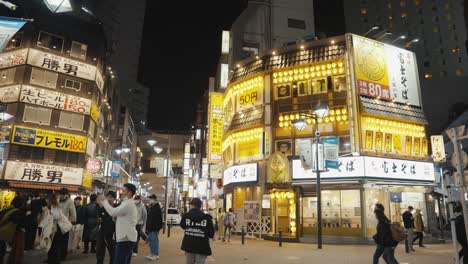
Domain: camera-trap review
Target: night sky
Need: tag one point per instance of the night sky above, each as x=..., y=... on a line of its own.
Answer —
x=180, y=50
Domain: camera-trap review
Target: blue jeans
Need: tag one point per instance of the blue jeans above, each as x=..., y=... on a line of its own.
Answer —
x=153, y=243
x=123, y=252
x=379, y=250
x=228, y=230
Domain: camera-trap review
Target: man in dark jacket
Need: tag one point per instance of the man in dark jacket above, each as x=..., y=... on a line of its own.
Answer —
x=460, y=232
x=408, y=221
x=90, y=218
x=31, y=224
x=199, y=229
x=105, y=237
x=153, y=225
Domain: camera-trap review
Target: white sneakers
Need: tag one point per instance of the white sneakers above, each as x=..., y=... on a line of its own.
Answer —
x=150, y=257
x=134, y=254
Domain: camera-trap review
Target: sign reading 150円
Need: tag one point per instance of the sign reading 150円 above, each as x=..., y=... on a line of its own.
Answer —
x=386, y=72
x=48, y=139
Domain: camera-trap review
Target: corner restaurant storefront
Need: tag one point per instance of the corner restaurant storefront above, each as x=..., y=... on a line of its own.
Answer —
x=350, y=193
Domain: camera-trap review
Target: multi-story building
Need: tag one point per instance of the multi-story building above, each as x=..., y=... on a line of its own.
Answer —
x=123, y=26
x=441, y=50
x=54, y=84
x=375, y=122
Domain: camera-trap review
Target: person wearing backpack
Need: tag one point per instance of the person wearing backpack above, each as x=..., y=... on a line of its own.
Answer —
x=229, y=222
x=12, y=230
x=384, y=239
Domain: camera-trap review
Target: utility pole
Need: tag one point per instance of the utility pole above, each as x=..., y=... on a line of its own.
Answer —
x=456, y=135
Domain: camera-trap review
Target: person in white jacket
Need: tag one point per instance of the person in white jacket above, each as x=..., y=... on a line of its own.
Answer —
x=126, y=219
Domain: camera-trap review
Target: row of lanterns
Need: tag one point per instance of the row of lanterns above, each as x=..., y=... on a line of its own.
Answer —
x=303, y=73
x=243, y=136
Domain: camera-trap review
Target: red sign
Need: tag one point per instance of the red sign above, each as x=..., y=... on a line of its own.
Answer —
x=374, y=90
x=93, y=165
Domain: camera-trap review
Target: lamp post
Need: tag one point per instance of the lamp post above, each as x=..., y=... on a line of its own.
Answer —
x=320, y=111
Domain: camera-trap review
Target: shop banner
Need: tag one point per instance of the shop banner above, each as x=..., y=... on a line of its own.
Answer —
x=94, y=112
x=385, y=72
x=35, y=137
x=61, y=64
x=47, y=98
x=6, y=197
x=438, y=148
x=215, y=128
x=5, y=133
x=371, y=167
x=43, y=173
x=241, y=173
x=252, y=211
x=14, y=58
x=278, y=168
x=9, y=26
x=115, y=170
x=330, y=145
x=90, y=148
x=87, y=180
x=10, y=94
x=99, y=81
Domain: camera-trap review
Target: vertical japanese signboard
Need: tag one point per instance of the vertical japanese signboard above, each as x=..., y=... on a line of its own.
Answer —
x=386, y=72
x=438, y=148
x=215, y=128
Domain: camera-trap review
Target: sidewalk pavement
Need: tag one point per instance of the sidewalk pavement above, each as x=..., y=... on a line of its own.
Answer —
x=268, y=252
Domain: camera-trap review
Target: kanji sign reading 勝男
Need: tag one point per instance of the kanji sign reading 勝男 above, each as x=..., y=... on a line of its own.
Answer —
x=61, y=64
x=48, y=139
x=43, y=97
x=43, y=173
x=215, y=128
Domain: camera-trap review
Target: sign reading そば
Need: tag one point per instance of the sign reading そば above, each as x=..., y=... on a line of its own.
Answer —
x=48, y=139
x=43, y=173
x=241, y=173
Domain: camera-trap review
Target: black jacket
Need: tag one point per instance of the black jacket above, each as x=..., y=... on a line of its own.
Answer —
x=199, y=229
x=408, y=220
x=384, y=235
x=107, y=224
x=460, y=229
x=154, y=219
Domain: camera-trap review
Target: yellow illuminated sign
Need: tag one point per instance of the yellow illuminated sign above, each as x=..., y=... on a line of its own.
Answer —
x=215, y=128
x=94, y=112
x=249, y=148
x=48, y=139
x=87, y=179
x=369, y=140
x=408, y=144
x=397, y=143
x=5, y=198
x=417, y=146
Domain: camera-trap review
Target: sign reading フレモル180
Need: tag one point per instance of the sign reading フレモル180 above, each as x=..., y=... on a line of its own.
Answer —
x=386, y=72
x=215, y=128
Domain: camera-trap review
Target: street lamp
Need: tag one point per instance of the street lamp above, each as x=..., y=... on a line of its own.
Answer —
x=370, y=30
x=118, y=151
x=320, y=111
x=158, y=150
x=398, y=38
x=151, y=142
x=407, y=45
x=58, y=6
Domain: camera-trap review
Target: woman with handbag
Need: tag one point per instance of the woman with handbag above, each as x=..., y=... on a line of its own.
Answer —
x=54, y=226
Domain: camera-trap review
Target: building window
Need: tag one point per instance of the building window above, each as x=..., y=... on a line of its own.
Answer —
x=18, y=152
x=436, y=29
x=15, y=42
x=50, y=41
x=441, y=51
x=71, y=84
x=403, y=4
x=417, y=2
x=319, y=86
x=92, y=127
x=456, y=50
x=427, y=64
x=363, y=11
x=250, y=49
x=78, y=50
x=71, y=121
x=37, y=115
x=404, y=15
x=296, y=23
x=443, y=73
x=459, y=60
x=7, y=76
x=427, y=76
x=459, y=72
x=43, y=78
x=60, y=156
x=303, y=88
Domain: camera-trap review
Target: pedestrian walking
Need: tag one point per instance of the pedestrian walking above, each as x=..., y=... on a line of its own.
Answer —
x=153, y=225
x=418, y=228
x=12, y=231
x=383, y=238
x=220, y=225
x=142, y=215
x=214, y=218
x=76, y=234
x=126, y=219
x=31, y=221
x=229, y=223
x=68, y=209
x=55, y=225
x=198, y=229
x=106, y=230
x=460, y=232
x=90, y=226
x=408, y=221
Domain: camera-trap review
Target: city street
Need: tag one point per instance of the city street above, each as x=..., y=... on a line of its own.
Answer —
x=267, y=252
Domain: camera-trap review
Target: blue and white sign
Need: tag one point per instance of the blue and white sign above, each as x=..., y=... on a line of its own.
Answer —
x=331, y=152
x=115, y=170
x=8, y=28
